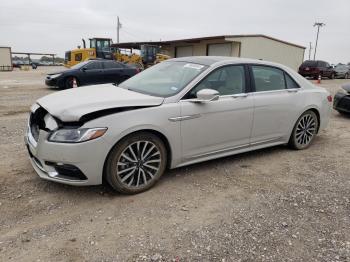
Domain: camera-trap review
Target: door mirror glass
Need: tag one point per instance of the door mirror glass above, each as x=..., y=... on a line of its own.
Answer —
x=206, y=95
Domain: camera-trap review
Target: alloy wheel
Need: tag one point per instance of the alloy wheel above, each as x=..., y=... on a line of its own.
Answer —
x=138, y=164
x=305, y=130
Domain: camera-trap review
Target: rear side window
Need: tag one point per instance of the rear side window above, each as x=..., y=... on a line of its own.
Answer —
x=94, y=65
x=310, y=63
x=268, y=78
x=112, y=65
x=291, y=82
x=322, y=64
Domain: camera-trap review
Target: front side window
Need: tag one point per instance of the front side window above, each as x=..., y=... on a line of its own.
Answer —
x=164, y=79
x=112, y=65
x=227, y=80
x=268, y=78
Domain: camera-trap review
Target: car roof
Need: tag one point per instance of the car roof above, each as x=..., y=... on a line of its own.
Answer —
x=218, y=60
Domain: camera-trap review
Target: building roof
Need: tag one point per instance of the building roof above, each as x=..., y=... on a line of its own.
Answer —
x=198, y=39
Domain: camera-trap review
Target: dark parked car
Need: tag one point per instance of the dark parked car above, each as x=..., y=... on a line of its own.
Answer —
x=316, y=68
x=342, y=71
x=91, y=72
x=342, y=100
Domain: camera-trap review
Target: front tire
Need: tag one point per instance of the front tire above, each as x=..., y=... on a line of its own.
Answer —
x=304, y=131
x=136, y=163
x=332, y=76
x=68, y=83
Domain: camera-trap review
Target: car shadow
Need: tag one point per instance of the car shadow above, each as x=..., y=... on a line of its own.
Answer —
x=106, y=191
x=342, y=115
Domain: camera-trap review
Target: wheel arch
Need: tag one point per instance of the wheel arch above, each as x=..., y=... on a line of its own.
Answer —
x=313, y=108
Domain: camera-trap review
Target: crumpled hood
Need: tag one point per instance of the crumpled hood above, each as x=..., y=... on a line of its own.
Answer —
x=70, y=105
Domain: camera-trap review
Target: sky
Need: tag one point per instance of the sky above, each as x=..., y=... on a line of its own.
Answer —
x=56, y=26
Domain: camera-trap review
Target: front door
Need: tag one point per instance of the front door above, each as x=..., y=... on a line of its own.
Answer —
x=92, y=73
x=218, y=126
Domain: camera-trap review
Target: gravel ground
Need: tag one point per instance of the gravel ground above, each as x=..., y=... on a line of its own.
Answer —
x=274, y=204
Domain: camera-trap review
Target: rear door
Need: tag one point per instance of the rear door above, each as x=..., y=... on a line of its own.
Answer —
x=276, y=99
x=113, y=72
x=92, y=73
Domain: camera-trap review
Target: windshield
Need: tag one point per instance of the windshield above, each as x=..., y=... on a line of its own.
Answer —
x=165, y=79
x=80, y=65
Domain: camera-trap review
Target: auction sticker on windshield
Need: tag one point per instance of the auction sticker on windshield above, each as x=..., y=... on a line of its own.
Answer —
x=194, y=66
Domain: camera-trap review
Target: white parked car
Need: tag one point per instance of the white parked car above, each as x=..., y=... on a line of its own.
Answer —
x=179, y=112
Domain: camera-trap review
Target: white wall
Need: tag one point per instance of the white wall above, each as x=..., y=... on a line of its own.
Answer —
x=5, y=59
x=271, y=50
x=249, y=47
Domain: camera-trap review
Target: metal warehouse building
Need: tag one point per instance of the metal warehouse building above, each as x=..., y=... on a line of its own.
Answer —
x=5, y=59
x=248, y=46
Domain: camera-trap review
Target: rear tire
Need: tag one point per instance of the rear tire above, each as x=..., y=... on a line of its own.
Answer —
x=332, y=76
x=304, y=131
x=136, y=163
x=346, y=76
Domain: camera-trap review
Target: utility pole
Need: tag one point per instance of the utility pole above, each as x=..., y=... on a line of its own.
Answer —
x=310, y=49
x=318, y=24
x=119, y=26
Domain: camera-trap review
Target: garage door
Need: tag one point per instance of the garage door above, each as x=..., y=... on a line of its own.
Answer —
x=220, y=49
x=182, y=51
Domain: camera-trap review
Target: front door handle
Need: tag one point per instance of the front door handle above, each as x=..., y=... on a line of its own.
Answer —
x=240, y=95
x=292, y=90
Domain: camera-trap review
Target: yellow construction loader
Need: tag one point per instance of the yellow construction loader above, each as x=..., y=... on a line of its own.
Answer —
x=99, y=48
x=140, y=56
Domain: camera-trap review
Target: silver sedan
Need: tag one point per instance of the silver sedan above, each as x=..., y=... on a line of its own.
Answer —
x=179, y=112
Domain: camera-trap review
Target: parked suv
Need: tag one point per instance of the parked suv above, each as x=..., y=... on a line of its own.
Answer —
x=316, y=68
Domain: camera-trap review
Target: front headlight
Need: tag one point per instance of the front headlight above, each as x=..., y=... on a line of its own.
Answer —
x=54, y=76
x=77, y=135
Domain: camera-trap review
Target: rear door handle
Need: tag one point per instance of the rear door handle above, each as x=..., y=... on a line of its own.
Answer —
x=292, y=90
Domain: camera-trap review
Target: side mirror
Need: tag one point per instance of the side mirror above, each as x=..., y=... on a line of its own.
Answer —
x=84, y=69
x=206, y=95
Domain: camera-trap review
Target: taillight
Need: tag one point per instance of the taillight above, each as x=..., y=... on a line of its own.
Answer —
x=330, y=98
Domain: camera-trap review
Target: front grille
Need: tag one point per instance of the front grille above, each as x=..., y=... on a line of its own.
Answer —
x=36, y=122
x=344, y=103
